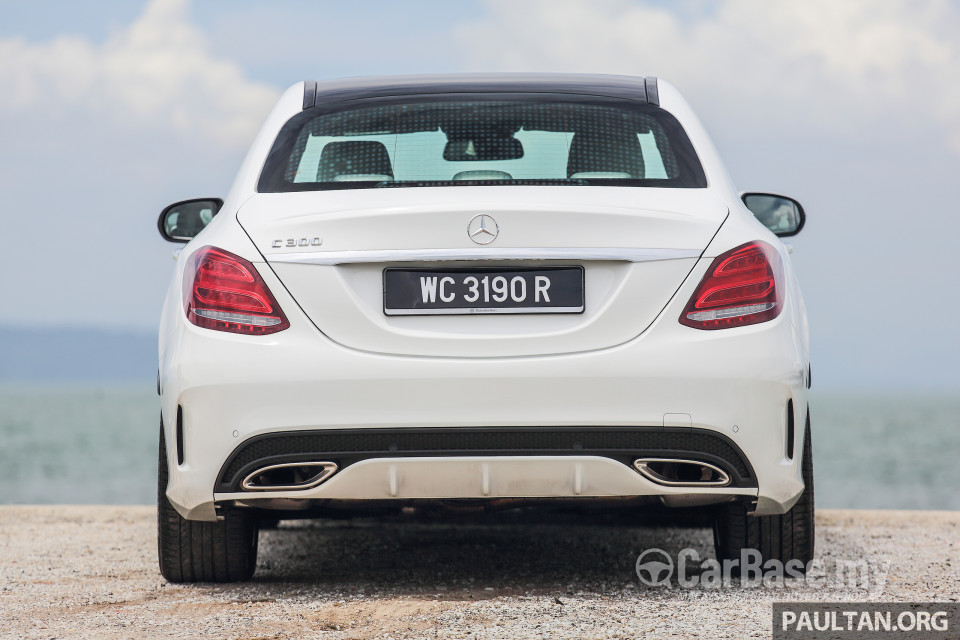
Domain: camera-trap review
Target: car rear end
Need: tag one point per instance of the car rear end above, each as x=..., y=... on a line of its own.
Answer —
x=451, y=294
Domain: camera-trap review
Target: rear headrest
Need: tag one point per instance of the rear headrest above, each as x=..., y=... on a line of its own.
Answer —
x=353, y=157
x=606, y=153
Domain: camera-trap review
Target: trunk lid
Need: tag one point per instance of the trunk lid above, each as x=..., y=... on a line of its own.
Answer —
x=330, y=248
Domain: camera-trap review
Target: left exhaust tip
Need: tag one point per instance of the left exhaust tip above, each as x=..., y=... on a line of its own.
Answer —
x=291, y=476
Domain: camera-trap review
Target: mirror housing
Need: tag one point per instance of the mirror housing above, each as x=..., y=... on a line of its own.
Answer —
x=183, y=220
x=782, y=215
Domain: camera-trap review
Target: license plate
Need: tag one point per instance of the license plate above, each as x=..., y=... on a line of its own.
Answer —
x=409, y=292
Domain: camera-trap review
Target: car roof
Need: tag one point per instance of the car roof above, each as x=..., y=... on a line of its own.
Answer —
x=608, y=86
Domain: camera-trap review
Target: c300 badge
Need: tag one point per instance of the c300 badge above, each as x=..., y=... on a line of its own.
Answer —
x=298, y=242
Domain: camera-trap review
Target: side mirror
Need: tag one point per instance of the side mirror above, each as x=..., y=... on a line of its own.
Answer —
x=782, y=215
x=181, y=221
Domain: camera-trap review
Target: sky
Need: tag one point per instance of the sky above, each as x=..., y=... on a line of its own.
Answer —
x=111, y=109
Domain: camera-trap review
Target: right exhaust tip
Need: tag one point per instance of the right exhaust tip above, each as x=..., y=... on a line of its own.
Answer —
x=671, y=472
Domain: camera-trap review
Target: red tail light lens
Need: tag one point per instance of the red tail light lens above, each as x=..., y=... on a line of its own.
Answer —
x=224, y=292
x=739, y=289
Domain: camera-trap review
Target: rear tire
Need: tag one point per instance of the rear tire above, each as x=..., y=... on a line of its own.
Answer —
x=192, y=551
x=780, y=537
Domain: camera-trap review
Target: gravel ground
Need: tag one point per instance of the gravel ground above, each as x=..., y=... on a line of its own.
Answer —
x=91, y=572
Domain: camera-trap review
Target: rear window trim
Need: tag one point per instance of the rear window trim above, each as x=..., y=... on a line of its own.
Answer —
x=279, y=154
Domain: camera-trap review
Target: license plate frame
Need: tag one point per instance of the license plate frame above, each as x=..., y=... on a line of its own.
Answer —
x=406, y=294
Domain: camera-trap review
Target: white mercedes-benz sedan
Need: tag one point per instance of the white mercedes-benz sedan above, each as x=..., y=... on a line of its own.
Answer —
x=488, y=291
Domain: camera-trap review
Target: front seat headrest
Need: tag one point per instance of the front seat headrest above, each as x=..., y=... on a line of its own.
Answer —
x=605, y=153
x=353, y=157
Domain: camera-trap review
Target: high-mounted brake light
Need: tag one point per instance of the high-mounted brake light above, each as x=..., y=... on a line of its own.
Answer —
x=740, y=288
x=224, y=292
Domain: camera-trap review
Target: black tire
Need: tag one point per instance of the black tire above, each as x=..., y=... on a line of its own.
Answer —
x=782, y=537
x=193, y=551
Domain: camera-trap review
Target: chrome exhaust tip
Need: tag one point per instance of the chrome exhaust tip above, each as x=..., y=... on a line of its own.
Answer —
x=290, y=476
x=671, y=472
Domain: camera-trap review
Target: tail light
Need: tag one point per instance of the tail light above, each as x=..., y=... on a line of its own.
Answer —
x=740, y=288
x=224, y=292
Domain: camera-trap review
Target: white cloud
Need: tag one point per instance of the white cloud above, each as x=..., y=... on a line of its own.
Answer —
x=828, y=63
x=158, y=72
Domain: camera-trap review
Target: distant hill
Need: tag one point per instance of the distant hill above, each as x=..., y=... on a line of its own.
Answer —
x=70, y=353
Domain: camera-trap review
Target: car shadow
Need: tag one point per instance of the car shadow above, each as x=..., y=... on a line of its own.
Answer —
x=472, y=556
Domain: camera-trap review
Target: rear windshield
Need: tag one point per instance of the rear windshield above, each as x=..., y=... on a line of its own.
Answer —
x=482, y=142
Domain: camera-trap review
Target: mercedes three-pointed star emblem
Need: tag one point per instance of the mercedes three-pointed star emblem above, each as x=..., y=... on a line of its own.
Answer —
x=483, y=229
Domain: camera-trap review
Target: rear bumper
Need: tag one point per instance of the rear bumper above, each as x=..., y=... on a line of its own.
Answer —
x=347, y=448
x=734, y=383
